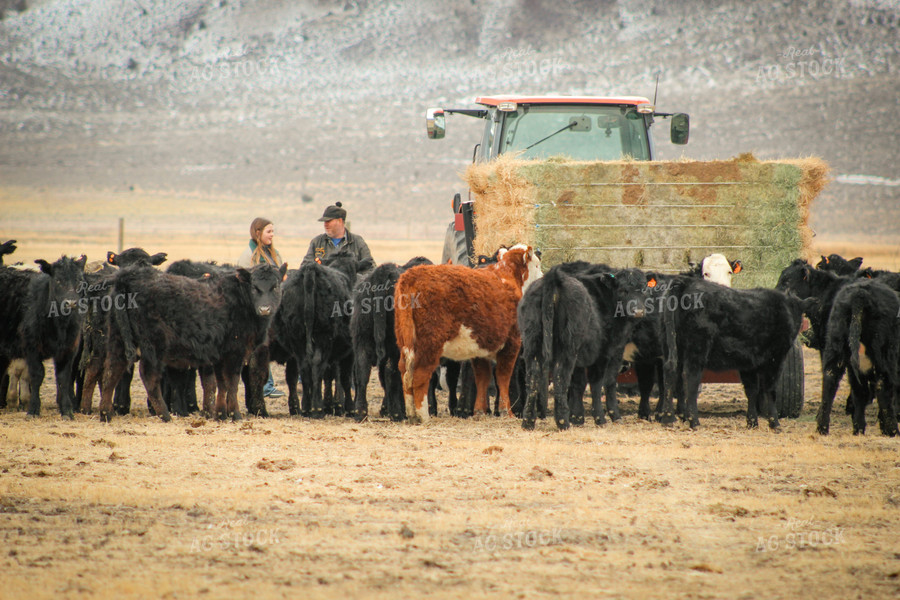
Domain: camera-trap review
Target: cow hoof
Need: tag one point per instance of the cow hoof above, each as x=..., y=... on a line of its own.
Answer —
x=29, y=416
x=561, y=424
x=822, y=430
x=666, y=418
x=695, y=426
x=221, y=416
x=317, y=414
x=752, y=424
x=599, y=421
x=105, y=417
x=577, y=421
x=776, y=428
x=236, y=417
x=528, y=425
x=166, y=418
x=360, y=417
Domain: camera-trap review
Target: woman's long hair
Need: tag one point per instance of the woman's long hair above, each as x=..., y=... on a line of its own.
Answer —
x=262, y=254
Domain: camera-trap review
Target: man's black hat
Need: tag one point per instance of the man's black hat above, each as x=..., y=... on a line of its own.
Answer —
x=334, y=212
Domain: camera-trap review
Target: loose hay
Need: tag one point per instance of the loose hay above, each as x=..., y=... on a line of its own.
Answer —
x=658, y=215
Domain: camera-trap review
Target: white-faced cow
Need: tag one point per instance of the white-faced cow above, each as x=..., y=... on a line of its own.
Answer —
x=462, y=314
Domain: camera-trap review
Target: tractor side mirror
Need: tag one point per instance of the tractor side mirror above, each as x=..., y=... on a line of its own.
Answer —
x=435, y=123
x=680, y=128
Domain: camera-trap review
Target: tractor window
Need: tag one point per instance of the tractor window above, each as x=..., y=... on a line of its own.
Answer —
x=583, y=132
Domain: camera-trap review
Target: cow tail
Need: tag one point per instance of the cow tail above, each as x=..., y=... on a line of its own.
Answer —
x=404, y=324
x=671, y=358
x=379, y=330
x=855, y=331
x=309, y=306
x=123, y=324
x=550, y=298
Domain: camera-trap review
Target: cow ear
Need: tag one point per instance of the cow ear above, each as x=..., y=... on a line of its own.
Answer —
x=242, y=275
x=81, y=261
x=111, y=258
x=500, y=253
x=158, y=258
x=736, y=267
x=856, y=262
x=825, y=259
x=45, y=266
x=283, y=271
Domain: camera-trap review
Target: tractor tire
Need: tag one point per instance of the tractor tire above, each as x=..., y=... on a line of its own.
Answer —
x=789, y=389
x=455, y=247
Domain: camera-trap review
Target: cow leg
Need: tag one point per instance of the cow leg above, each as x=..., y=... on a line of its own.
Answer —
x=151, y=375
x=393, y=403
x=481, y=368
x=20, y=386
x=63, y=367
x=420, y=379
x=345, y=380
x=91, y=378
x=752, y=390
x=857, y=401
x=291, y=374
x=220, y=410
x=562, y=379
x=114, y=367
x=362, y=371
x=36, y=372
x=533, y=381
x=306, y=381
x=885, y=391
x=432, y=394
x=692, y=377
x=122, y=398
x=232, y=377
x=506, y=364
x=646, y=375
x=832, y=372
x=208, y=385
x=4, y=381
x=452, y=377
x=575, y=395
x=257, y=375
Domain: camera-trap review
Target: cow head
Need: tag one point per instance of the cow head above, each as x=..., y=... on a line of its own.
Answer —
x=524, y=260
x=66, y=281
x=135, y=256
x=718, y=269
x=264, y=282
x=630, y=287
x=796, y=278
x=839, y=265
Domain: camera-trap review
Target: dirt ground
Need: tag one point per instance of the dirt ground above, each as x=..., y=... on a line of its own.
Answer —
x=286, y=507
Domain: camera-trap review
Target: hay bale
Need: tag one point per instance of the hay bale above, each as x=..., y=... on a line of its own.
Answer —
x=658, y=215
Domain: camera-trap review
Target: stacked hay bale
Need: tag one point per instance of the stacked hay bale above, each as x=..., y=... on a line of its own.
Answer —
x=652, y=215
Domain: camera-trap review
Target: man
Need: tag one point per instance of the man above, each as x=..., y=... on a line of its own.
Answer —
x=338, y=237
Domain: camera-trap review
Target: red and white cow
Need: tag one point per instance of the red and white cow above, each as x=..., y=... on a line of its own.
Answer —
x=461, y=313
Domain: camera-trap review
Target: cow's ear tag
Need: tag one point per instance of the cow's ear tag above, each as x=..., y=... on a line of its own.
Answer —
x=206, y=275
x=651, y=283
x=737, y=267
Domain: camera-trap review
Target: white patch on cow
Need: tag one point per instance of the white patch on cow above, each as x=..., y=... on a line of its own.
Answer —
x=423, y=411
x=865, y=364
x=464, y=346
x=410, y=357
x=533, y=266
x=717, y=269
x=630, y=351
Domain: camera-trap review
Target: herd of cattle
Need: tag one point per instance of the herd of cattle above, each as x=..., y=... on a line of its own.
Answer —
x=502, y=324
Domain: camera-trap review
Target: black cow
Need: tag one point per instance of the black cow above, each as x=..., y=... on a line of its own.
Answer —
x=179, y=386
x=582, y=317
x=709, y=326
x=184, y=323
x=888, y=278
x=7, y=247
x=41, y=320
x=839, y=265
x=374, y=341
x=97, y=302
x=864, y=331
x=311, y=332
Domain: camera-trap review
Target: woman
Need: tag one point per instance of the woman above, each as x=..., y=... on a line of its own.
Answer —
x=261, y=250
